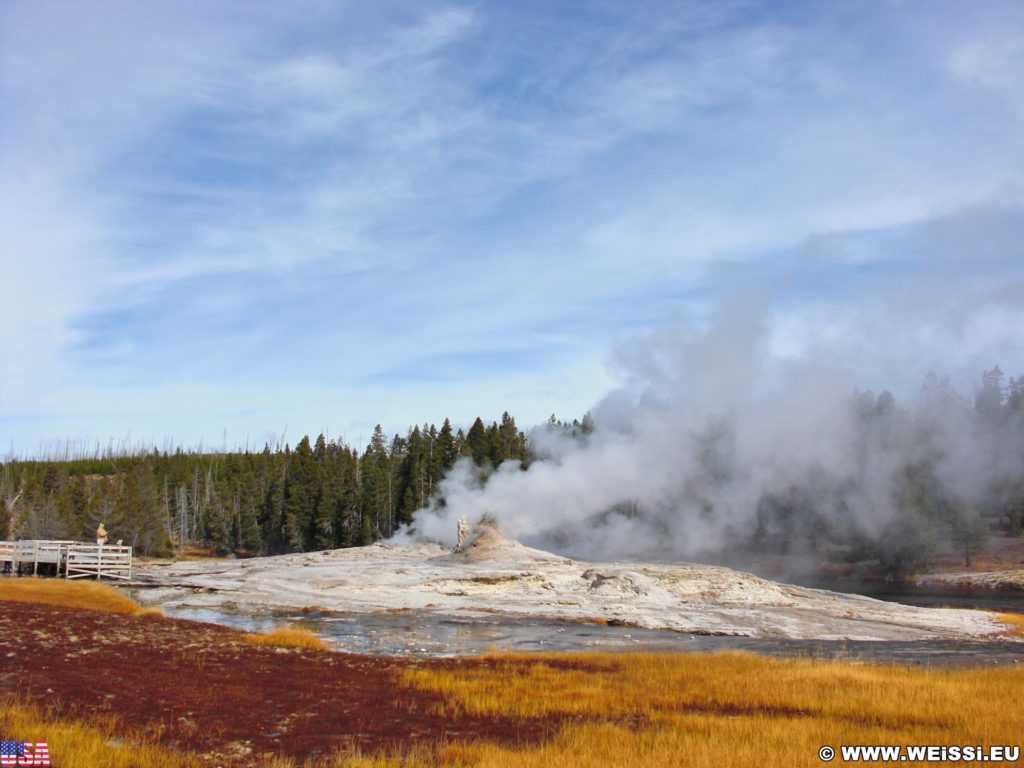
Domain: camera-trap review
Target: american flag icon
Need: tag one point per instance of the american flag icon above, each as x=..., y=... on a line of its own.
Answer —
x=22, y=753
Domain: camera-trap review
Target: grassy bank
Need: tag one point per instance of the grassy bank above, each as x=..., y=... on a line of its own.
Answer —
x=92, y=595
x=715, y=709
x=1015, y=621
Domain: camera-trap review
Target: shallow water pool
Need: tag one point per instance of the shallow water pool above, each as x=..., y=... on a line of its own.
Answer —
x=427, y=633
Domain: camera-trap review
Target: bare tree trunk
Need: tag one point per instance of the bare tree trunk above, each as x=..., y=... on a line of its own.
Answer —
x=12, y=515
x=195, y=503
x=168, y=517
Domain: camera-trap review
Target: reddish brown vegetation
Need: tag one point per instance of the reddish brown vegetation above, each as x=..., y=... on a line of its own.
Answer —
x=201, y=687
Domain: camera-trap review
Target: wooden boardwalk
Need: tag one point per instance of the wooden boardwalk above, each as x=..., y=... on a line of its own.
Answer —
x=71, y=559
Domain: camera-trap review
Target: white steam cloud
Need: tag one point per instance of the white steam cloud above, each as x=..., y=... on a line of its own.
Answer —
x=709, y=426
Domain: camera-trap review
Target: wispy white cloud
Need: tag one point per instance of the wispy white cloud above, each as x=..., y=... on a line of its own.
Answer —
x=330, y=195
x=990, y=57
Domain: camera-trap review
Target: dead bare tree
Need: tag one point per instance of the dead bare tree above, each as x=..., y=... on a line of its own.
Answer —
x=12, y=515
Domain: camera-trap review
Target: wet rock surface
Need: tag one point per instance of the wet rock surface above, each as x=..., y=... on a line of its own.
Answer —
x=495, y=575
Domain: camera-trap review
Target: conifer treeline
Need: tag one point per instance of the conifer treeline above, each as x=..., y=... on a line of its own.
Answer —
x=318, y=495
x=919, y=482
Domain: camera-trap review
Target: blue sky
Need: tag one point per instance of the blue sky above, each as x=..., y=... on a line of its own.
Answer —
x=221, y=218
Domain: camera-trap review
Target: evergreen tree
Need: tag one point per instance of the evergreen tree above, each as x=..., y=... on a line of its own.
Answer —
x=412, y=477
x=587, y=425
x=1015, y=396
x=511, y=442
x=276, y=522
x=325, y=494
x=323, y=534
x=73, y=508
x=128, y=520
x=445, y=454
x=969, y=532
x=476, y=445
x=300, y=499
x=377, y=488
x=988, y=400
x=460, y=445
x=248, y=537
x=349, y=521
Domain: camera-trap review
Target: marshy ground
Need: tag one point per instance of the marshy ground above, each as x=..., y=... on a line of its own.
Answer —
x=106, y=682
x=205, y=688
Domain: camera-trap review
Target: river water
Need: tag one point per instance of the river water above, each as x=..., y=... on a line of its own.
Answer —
x=433, y=634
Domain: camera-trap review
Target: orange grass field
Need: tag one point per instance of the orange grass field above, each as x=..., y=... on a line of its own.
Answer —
x=93, y=595
x=288, y=637
x=1016, y=621
x=635, y=709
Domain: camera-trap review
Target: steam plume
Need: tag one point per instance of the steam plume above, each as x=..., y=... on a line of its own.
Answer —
x=713, y=440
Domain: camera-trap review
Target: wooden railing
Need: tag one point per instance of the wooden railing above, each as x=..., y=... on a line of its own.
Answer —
x=108, y=560
x=73, y=559
x=7, y=552
x=38, y=551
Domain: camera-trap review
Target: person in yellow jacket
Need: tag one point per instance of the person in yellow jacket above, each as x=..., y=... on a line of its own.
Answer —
x=101, y=535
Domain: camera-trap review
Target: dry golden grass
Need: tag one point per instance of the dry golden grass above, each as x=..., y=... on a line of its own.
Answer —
x=98, y=741
x=646, y=710
x=1016, y=622
x=95, y=741
x=710, y=710
x=83, y=744
x=288, y=637
x=93, y=595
